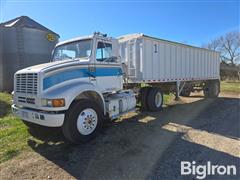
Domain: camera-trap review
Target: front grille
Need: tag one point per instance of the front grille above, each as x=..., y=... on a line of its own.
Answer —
x=27, y=83
x=26, y=100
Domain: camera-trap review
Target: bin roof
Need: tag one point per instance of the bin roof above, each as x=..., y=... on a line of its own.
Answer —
x=25, y=21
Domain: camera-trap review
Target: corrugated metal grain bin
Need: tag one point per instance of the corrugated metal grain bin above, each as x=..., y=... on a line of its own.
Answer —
x=158, y=60
x=23, y=43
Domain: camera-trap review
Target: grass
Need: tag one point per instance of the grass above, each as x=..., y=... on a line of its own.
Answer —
x=14, y=135
x=167, y=98
x=230, y=86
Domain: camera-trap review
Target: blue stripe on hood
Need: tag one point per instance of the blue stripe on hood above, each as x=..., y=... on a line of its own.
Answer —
x=79, y=73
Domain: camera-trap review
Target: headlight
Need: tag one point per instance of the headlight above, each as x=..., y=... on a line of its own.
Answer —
x=53, y=102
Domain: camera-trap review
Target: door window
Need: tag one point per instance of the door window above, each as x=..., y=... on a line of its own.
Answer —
x=104, y=52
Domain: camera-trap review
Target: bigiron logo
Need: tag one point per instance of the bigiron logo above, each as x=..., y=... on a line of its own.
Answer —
x=202, y=171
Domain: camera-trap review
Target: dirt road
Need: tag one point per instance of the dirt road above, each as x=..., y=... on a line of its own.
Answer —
x=142, y=145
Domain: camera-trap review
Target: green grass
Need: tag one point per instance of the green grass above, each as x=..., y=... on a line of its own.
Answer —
x=230, y=86
x=13, y=133
x=167, y=98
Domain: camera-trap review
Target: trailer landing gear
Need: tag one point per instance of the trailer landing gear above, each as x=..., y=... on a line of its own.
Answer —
x=179, y=87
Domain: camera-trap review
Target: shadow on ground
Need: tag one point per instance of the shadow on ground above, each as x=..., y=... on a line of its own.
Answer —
x=168, y=165
x=138, y=146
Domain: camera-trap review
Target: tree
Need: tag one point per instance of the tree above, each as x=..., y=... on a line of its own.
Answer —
x=228, y=45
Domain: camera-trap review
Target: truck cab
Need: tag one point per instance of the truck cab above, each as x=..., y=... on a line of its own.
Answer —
x=99, y=60
x=77, y=90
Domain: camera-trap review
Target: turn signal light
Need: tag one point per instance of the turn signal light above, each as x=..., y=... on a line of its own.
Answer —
x=58, y=102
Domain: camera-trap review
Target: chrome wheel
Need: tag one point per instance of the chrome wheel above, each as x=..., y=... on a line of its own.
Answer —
x=87, y=121
x=158, y=99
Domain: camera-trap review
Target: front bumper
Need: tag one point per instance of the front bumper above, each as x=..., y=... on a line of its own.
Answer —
x=36, y=117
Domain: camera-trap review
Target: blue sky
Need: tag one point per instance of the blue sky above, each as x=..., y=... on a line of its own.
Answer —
x=191, y=22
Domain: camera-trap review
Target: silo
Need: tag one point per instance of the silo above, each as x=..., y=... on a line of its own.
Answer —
x=23, y=43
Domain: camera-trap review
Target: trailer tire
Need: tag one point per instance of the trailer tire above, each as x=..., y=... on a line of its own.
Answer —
x=187, y=89
x=143, y=97
x=185, y=92
x=155, y=99
x=83, y=121
x=211, y=89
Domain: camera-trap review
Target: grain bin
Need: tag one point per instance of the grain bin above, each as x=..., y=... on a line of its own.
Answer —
x=23, y=43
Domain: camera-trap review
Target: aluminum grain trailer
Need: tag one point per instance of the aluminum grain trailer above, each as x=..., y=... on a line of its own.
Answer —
x=174, y=67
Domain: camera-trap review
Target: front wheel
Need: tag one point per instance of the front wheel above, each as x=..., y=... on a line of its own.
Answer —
x=83, y=121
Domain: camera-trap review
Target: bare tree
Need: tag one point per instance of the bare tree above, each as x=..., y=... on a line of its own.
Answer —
x=213, y=45
x=228, y=45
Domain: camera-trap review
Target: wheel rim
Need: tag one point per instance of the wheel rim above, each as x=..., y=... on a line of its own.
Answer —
x=158, y=99
x=87, y=121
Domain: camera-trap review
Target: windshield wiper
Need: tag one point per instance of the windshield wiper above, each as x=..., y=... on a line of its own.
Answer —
x=110, y=59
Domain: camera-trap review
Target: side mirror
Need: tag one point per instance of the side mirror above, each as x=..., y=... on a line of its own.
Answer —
x=114, y=59
x=120, y=58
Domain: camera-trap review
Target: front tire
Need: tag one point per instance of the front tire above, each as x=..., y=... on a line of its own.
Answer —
x=83, y=121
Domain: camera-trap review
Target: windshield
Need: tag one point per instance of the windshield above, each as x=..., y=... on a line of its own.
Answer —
x=74, y=50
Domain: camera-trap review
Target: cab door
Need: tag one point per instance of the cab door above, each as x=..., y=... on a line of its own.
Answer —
x=108, y=69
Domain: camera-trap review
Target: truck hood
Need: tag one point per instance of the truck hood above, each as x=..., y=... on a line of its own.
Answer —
x=48, y=66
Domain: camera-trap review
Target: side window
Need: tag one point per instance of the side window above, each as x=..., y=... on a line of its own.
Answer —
x=104, y=52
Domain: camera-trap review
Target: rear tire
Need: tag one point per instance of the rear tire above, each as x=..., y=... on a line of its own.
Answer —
x=83, y=121
x=143, y=97
x=185, y=93
x=211, y=89
x=155, y=99
x=187, y=89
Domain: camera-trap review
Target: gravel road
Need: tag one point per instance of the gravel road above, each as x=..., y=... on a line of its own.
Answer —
x=142, y=145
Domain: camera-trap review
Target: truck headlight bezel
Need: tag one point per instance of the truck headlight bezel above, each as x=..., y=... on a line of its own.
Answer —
x=53, y=102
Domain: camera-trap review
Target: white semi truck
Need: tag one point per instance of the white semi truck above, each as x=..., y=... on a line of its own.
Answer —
x=94, y=78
